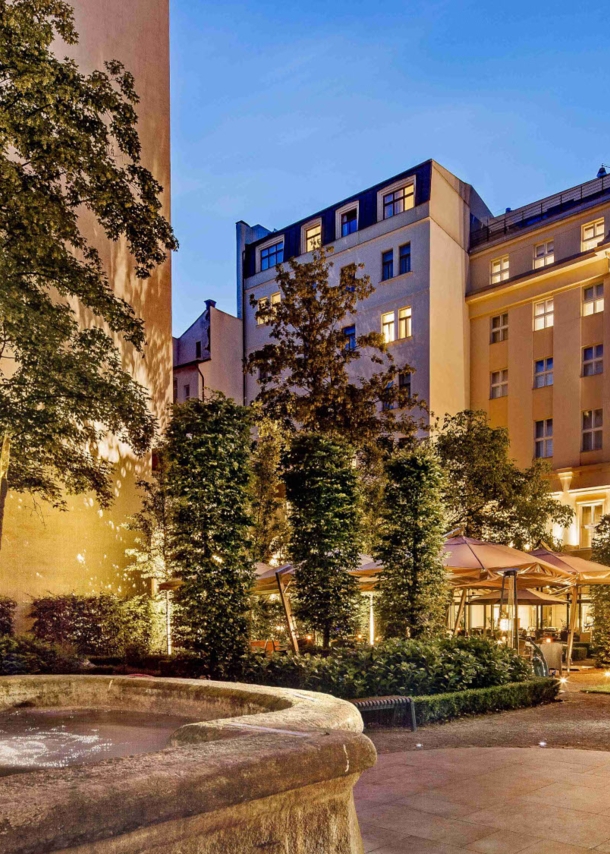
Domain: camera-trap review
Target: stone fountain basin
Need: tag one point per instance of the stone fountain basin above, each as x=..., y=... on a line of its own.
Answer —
x=262, y=770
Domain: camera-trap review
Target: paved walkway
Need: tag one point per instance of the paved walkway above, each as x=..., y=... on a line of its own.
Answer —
x=490, y=800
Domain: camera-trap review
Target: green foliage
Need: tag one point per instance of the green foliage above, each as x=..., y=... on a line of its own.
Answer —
x=95, y=625
x=208, y=482
x=600, y=595
x=480, y=701
x=28, y=656
x=268, y=502
x=267, y=619
x=404, y=667
x=151, y=557
x=69, y=152
x=308, y=374
x=322, y=491
x=413, y=588
x=7, y=613
x=486, y=493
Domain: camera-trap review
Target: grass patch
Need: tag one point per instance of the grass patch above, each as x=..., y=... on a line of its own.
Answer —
x=597, y=689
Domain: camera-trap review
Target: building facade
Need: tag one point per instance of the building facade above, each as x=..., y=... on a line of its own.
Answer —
x=504, y=314
x=83, y=550
x=209, y=357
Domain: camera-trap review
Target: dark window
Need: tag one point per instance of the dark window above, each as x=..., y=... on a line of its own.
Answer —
x=349, y=222
x=404, y=259
x=272, y=255
x=386, y=405
x=593, y=360
x=592, y=429
x=187, y=392
x=404, y=381
x=175, y=391
x=350, y=336
x=198, y=350
x=543, y=439
x=387, y=265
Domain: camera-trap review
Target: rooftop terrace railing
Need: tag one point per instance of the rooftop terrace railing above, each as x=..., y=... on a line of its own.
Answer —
x=527, y=215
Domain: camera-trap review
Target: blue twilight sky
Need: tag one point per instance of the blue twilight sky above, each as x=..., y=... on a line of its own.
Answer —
x=282, y=108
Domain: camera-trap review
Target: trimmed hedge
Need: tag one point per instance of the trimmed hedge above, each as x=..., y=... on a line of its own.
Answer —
x=481, y=701
x=7, y=614
x=25, y=655
x=403, y=667
x=96, y=625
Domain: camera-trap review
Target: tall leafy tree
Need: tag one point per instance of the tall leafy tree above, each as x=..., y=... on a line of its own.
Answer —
x=208, y=483
x=486, y=493
x=322, y=491
x=69, y=150
x=600, y=594
x=413, y=588
x=309, y=371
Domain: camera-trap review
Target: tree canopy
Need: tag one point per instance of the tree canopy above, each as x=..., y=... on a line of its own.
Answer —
x=304, y=372
x=69, y=148
x=486, y=493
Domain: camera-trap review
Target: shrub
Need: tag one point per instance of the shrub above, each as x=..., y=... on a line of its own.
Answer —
x=479, y=701
x=404, y=667
x=7, y=613
x=27, y=655
x=95, y=625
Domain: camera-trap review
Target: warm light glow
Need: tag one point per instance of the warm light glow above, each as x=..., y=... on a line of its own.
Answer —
x=563, y=680
x=607, y=673
x=547, y=640
x=542, y=743
x=504, y=624
x=308, y=637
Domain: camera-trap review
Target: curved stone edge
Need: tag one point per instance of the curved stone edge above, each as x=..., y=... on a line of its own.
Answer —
x=46, y=811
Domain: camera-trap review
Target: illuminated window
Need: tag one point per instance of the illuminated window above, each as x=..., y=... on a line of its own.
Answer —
x=404, y=322
x=350, y=336
x=264, y=303
x=544, y=254
x=275, y=298
x=404, y=259
x=592, y=429
x=349, y=222
x=387, y=265
x=272, y=255
x=592, y=299
x=590, y=517
x=499, y=328
x=499, y=384
x=398, y=201
x=593, y=360
x=543, y=372
x=544, y=314
x=313, y=238
x=388, y=327
x=499, y=269
x=592, y=234
x=543, y=439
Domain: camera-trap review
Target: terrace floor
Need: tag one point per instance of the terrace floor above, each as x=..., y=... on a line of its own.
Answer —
x=487, y=785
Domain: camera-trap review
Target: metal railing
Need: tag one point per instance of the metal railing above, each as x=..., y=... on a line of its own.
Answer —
x=538, y=211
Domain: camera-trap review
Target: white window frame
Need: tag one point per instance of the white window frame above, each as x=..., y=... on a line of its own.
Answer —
x=544, y=314
x=392, y=188
x=499, y=269
x=343, y=210
x=594, y=429
x=309, y=226
x=592, y=299
x=543, y=443
x=499, y=332
x=546, y=374
x=388, y=326
x=405, y=321
x=590, y=240
x=272, y=300
x=594, y=364
x=277, y=239
x=544, y=254
x=584, y=542
x=498, y=385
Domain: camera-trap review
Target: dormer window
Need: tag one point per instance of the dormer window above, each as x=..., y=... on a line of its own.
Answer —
x=398, y=201
x=349, y=222
x=272, y=255
x=312, y=237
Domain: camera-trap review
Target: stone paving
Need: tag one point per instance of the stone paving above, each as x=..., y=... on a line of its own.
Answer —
x=488, y=800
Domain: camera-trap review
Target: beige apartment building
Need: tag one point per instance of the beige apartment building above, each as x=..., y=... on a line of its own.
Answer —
x=504, y=314
x=537, y=329
x=83, y=550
